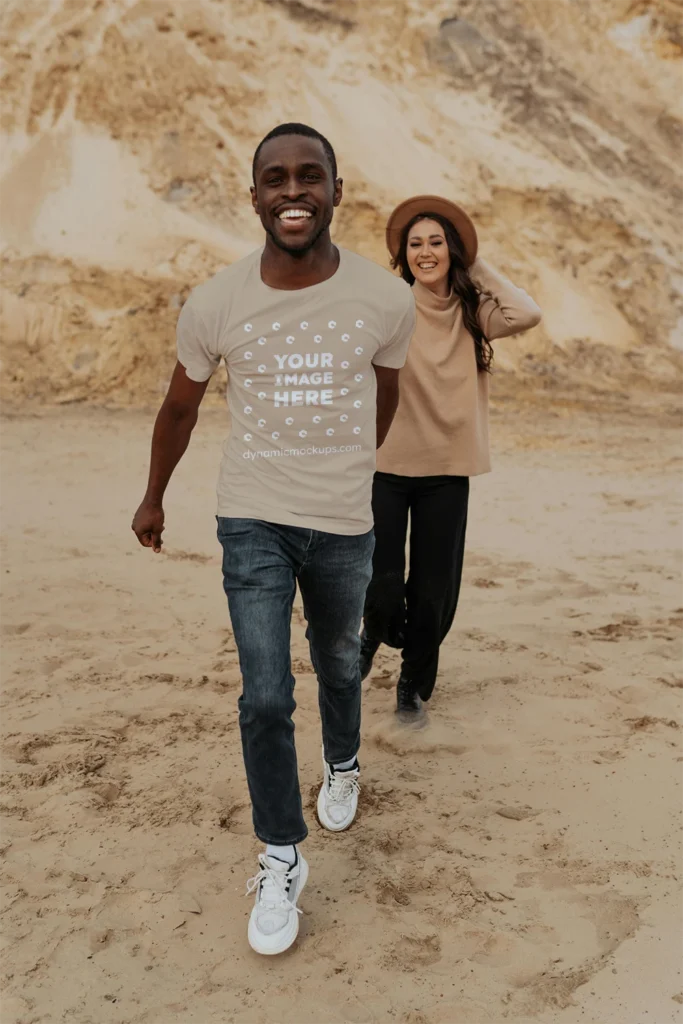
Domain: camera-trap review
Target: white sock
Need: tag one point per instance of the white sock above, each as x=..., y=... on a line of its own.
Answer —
x=345, y=766
x=285, y=853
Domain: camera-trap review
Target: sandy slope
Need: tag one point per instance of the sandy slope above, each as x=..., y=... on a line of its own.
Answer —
x=128, y=128
x=516, y=860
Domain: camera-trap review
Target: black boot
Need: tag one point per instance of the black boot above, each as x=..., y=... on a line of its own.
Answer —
x=408, y=704
x=368, y=650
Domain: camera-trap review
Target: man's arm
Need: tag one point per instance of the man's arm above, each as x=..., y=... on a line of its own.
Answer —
x=387, y=400
x=172, y=430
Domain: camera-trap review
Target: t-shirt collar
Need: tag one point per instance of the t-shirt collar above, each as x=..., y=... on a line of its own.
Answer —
x=311, y=288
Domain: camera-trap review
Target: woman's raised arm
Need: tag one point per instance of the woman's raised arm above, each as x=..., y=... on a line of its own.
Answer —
x=504, y=308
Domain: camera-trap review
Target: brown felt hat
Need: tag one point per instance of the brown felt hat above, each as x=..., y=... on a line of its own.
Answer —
x=408, y=209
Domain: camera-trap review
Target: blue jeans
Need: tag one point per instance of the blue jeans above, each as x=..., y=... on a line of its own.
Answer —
x=262, y=563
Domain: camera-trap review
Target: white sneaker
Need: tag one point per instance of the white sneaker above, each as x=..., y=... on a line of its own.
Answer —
x=338, y=798
x=274, y=921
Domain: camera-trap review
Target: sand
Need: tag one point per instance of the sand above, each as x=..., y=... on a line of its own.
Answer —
x=516, y=860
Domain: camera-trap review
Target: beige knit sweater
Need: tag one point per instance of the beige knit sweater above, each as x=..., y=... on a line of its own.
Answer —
x=442, y=424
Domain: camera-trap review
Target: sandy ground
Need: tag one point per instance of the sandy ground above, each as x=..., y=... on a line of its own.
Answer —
x=517, y=860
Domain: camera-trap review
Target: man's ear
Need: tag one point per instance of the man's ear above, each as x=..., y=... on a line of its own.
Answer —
x=338, y=191
x=254, y=198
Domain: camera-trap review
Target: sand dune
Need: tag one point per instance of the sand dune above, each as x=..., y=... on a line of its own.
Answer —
x=129, y=129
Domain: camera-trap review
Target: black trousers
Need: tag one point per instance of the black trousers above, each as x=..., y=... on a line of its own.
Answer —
x=416, y=614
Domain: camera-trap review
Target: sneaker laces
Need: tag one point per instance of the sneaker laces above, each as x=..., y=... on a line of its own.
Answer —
x=343, y=785
x=272, y=884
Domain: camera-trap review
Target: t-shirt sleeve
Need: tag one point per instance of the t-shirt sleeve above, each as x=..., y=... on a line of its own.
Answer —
x=393, y=353
x=195, y=343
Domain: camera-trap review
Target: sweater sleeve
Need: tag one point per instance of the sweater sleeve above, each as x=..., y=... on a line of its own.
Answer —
x=504, y=309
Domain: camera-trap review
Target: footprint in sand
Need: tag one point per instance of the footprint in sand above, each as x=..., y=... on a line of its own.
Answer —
x=414, y=950
x=15, y=630
x=675, y=682
x=188, y=556
x=517, y=813
x=391, y=893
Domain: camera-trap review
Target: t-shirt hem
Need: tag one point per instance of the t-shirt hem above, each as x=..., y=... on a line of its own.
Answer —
x=281, y=517
x=390, y=362
x=195, y=374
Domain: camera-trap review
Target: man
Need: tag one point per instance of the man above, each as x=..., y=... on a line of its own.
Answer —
x=313, y=337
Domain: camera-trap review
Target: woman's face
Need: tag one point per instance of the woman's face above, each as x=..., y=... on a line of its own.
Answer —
x=428, y=256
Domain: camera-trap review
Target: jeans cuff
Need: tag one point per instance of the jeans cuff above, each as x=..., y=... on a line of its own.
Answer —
x=343, y=760
x=279, y=841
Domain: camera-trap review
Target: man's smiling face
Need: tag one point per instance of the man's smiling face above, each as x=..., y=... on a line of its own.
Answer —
x=294, y=191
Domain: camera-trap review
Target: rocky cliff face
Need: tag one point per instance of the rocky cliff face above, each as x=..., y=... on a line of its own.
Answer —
x=129, y=130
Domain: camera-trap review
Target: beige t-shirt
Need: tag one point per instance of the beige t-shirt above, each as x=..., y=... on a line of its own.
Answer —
x=301, y=387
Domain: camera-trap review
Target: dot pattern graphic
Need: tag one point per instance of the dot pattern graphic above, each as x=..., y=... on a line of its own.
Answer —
x=297, y=375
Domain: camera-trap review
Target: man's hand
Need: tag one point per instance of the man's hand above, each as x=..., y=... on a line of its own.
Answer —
x=148, y=525
x=387, y=400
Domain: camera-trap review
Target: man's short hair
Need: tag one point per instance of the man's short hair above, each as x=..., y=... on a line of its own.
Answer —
x=293, y=128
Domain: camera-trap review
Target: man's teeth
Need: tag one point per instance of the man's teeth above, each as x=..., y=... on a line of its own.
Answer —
x=294, y=214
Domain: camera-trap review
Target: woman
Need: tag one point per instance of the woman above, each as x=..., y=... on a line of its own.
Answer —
x=439, y=438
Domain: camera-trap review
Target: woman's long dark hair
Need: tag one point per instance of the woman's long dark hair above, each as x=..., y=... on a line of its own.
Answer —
x=459, y=280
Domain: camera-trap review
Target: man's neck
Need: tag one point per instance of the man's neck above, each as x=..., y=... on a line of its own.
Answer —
x=289, y=272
